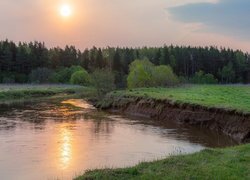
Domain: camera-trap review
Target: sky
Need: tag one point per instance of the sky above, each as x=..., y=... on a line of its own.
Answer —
x=132, y=23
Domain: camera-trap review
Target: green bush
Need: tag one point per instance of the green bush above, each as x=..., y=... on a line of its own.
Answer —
x=80, y=78
x=140, y=74
x=164, y=76
x=103, y=80
x=74, y=69
x=144, y=74
x=202, y=78
x=54, y=78
x=227, y=74
x=63, y=75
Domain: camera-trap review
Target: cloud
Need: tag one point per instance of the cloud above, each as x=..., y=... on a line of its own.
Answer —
x=226, y=16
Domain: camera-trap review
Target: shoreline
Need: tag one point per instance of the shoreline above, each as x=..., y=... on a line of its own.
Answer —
x=219, y=163
x=230, y=122
x=12, y=94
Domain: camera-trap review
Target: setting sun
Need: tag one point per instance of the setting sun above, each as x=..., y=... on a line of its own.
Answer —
x=65, y=10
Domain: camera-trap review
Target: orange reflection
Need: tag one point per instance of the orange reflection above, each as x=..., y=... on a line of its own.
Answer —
x=79, y=103
x=66, y=147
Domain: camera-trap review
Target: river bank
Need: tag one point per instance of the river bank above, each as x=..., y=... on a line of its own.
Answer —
x=17, y=93
x=227, y=163
x=224, y=109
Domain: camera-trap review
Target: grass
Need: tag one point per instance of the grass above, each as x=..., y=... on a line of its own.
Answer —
x=231, y=97
x=22, y=92
x=228, y=163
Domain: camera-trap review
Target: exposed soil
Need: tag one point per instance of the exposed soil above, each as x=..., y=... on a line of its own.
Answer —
x=230, y=122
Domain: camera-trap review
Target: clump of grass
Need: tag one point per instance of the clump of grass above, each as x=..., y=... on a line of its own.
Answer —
x=229, y=163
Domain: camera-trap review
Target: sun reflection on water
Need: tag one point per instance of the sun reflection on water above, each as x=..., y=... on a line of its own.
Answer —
x=66, y=147
x=79, y=103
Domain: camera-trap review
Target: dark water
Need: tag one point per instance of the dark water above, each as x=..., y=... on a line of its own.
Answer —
x=60, y=140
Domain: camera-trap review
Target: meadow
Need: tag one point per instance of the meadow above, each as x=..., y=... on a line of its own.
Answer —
x=230, y=97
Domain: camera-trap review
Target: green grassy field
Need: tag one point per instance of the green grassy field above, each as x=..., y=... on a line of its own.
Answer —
x=236, y=97
x=229, y=163
x=22, y=92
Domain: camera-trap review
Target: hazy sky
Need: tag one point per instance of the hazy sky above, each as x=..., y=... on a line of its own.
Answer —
x=128, y=22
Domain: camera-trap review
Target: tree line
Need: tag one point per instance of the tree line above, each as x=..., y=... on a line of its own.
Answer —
x=19, y=61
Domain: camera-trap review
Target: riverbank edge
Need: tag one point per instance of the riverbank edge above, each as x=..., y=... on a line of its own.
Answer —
x=230, y=122
x=218, y=163
x=14, y=96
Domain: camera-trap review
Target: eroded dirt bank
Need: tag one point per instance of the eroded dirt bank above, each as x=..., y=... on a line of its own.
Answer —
x=230, y=122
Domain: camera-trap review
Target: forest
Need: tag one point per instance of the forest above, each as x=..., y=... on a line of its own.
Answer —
x=23, y=62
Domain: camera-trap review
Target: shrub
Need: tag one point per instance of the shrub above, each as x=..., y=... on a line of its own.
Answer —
x=140, y=74
x=164, y=76
x=64, y=74
x=144, y=74
x=80, y=78
x=145, y=63
x=54, y=78
x=227, y=73
x=202, y=78
x=103, y=80
x=210, y=79
x=74, y=69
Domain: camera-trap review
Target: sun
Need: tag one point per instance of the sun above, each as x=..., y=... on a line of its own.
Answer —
x=65, y=10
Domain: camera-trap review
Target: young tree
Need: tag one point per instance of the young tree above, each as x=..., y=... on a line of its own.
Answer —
x=164, y=76
x=201, y=78
x=80, y=78
x=140, y=74
x=227, y=73
x=103, y=80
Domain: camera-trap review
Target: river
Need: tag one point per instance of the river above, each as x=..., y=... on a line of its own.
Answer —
x=55, y=139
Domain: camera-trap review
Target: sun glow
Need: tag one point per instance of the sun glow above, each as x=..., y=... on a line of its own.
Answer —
x=65, y=10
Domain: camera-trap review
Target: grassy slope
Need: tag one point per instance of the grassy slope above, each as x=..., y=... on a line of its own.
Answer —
x=222, y=96
x=17, y=92
x=229, y=163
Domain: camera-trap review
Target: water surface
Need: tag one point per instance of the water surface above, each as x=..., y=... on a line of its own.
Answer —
x=60, y=140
